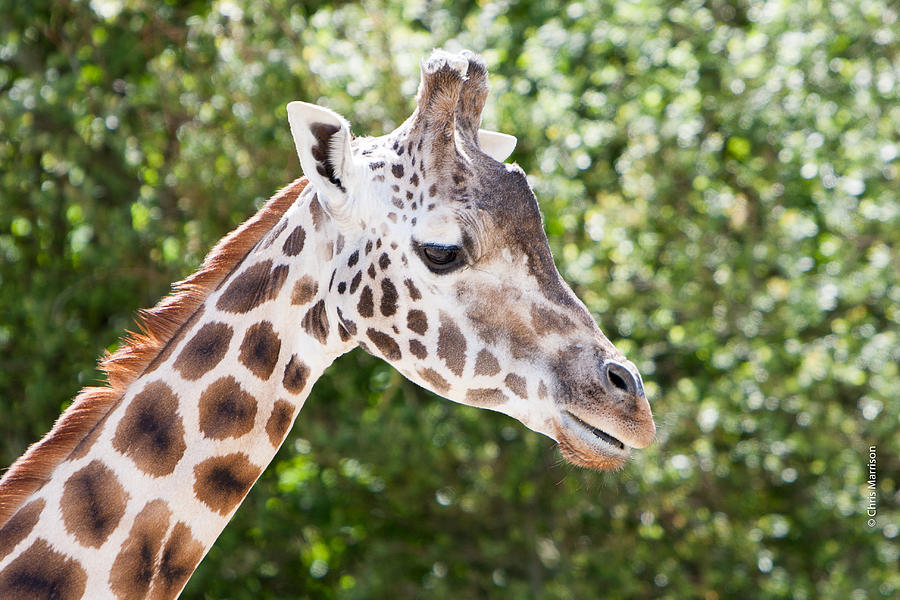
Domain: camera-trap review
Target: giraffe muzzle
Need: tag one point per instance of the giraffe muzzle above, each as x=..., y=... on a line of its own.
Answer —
x=588, y=446
x=606, y=414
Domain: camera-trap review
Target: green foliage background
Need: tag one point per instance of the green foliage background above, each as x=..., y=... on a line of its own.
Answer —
x=720, y=185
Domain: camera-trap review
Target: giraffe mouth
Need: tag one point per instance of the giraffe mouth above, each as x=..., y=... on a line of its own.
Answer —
x=598, y=433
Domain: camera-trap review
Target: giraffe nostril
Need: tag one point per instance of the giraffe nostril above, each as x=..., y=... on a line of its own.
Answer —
x=617, y=381
x=621, y=377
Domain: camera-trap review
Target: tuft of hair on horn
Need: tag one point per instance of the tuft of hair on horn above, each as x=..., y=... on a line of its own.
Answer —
x=443, y=75
x=472, y=97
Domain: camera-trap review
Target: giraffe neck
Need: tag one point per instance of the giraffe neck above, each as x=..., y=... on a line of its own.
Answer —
x=143, y=496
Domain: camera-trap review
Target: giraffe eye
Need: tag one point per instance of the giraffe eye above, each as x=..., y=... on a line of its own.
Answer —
x=439, y=257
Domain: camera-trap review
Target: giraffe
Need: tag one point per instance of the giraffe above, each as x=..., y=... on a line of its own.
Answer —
x=420, y=246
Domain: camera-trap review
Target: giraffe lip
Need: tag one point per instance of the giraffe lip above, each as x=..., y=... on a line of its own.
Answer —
x=598, y=433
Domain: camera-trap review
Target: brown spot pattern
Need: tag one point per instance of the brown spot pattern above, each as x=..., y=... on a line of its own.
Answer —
x=385, y=343
x=388, y=298
x=221, y=482
x=354, y=283
x=414, y=293
x=451, y=345
x=204, y=351
x=315, y=209
x=40, y=573
x=126, y=364
x=151, y=432
x=273, y=235
x=256, y=285
x=485, y=397
x=260, y=349
x=315, y=322
x=397, y=170
x=517, y=384
x=173, y=343
x=384, y=261
x=492, y=325
x=486, y=363
x=92, y=504
x=180, y=557
x=366, y=305
x=226, y=410
x=279, y=421
x=133, y=569
x=547, y=320
x=304, y=290
x=434, y=379
x=417, y=321
x=296, y=374
x=418, y=349
x=293, y=244
x=19, y=526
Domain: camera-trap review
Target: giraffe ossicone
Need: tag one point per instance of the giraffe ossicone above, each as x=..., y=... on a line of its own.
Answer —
x=420, y=246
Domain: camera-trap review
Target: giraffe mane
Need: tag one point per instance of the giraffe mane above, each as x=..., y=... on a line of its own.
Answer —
x=157, y=327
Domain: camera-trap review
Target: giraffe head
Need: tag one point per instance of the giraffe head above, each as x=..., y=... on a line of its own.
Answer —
x=443, y=269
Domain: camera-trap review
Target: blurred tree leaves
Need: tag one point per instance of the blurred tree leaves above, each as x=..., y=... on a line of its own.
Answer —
x=720, y=185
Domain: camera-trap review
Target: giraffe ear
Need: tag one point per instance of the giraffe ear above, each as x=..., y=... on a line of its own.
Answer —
x=322, y=138
x=496, y=145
